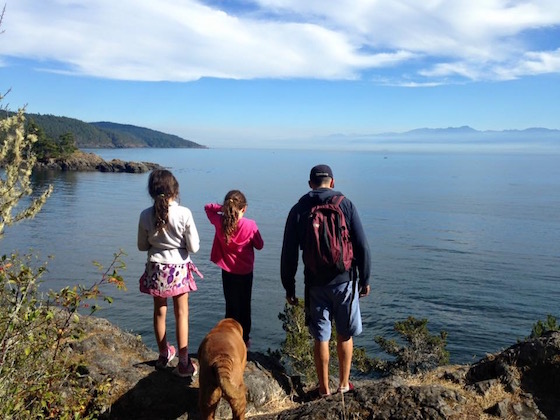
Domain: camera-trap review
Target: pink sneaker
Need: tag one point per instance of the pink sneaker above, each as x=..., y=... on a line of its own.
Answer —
x=164, y=359
x=345, y=389
x=186, y=371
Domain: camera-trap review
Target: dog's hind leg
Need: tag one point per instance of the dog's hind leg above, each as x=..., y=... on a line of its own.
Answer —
x=238, y=408
x=238, y=402
x=208, y=402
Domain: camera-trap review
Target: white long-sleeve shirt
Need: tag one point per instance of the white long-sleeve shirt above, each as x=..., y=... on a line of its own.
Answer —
x=173, y=244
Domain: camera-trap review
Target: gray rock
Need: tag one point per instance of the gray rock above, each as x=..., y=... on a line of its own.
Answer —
x=81, y=161
x=140, y=391
x=500, y=409
x=482, y=387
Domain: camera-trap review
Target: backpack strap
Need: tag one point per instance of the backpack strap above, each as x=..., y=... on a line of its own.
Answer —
x=336, y=199
x=354, y=281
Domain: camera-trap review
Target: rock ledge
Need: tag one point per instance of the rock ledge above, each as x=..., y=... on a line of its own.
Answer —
x=81, y=161
x=520, y=382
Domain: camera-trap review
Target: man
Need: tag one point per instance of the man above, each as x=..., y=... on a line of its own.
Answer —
x=333, y=298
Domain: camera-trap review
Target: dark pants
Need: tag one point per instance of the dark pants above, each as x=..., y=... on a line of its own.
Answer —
x=237, y=292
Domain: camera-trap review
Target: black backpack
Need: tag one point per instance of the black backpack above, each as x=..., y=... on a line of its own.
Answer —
x=327, y=248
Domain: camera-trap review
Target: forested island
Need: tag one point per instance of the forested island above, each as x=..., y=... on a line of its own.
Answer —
x=59, y=140
x=104, y=135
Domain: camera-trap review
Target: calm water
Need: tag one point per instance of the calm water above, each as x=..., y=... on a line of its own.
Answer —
x=471, y=242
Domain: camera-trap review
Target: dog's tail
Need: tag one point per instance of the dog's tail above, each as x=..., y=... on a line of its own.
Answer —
x=231, y=386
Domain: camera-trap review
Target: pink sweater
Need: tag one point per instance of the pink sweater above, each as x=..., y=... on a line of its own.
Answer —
x=237, y=257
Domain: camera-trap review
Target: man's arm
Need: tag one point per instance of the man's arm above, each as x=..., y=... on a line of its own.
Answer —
x=361, y=251
x=290, y=256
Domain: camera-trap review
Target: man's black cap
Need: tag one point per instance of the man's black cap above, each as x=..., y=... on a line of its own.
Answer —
x=320, y=171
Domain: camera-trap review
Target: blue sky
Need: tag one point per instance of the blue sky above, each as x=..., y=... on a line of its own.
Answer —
x=256, y=73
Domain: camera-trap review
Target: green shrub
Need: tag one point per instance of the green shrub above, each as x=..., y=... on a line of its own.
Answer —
x=423, y=351
x=297, y=347
x=542, y=327
x=17, y=159
x=38, y=376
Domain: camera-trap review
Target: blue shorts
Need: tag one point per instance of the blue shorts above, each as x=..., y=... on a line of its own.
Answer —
x=336, y=302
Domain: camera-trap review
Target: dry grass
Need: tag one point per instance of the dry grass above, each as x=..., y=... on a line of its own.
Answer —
x=273, y=407
x=473, y=404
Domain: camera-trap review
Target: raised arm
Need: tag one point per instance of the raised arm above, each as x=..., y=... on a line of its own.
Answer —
x=213, y=212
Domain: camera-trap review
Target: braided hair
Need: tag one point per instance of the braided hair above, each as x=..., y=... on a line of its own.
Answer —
x=162, y=186
x=234, y=202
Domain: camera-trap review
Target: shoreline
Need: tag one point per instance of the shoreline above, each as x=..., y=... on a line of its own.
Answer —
x=86, y=161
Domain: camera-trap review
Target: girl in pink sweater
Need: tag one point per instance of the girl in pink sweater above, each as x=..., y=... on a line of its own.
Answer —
x=233, y=250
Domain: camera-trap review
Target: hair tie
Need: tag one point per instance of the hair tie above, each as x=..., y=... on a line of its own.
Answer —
x=161, y=195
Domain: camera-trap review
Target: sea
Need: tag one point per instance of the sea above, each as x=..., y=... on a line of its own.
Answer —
x=469, y=241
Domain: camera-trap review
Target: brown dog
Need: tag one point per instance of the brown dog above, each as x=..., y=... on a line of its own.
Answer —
x=222, y=356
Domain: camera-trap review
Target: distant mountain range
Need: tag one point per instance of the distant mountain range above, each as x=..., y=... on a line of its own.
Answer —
x=450, y=133
x=114, y=135
x=108, y=134
x=451, y=137
x=469, y=132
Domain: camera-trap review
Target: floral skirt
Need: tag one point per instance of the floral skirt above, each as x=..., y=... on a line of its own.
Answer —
x=167, y=280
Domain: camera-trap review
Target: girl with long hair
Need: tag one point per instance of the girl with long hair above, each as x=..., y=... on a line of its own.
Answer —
x=168, y=232
x=236, y=237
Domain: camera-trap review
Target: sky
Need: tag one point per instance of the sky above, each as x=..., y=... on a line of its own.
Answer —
x=242, y=73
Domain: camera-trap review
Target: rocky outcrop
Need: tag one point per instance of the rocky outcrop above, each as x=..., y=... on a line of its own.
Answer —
x=522, y=382
x=529, y=372
x=81, y=161
x=138, y=391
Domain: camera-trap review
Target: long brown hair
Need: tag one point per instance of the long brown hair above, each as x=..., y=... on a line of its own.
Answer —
x=234, y=202
x=162, y=186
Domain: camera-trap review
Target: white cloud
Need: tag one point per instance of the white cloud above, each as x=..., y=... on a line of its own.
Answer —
x=534, y=63
x=183, y=40
x=544, y=62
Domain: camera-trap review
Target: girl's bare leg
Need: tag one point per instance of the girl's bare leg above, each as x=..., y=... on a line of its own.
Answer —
x=181, y=309
x=160, y=312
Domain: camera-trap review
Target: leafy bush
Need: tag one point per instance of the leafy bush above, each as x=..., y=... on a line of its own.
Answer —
x=542, y=327
x=297, y=348
x=423, y=351
x=17, y=158
x=38, y=377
